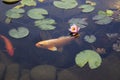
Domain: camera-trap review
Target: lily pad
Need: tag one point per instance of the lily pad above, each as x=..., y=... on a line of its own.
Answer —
x=93, y=58
x=65, y=4
x=20, y=32
x=90, y=38
x=98, y=17
x=28, y=2
x=10, y=1
x=105, y=20
x=87, y=8
x=80, y=22
x=37, y=13
x=14, y=13
x=45, y=24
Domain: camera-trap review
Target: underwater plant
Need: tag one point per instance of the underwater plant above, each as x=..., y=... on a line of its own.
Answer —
x=80, y=22
x=86, y=8
x=88, y=56
x=13, y=14
x=37, y=13
x=65, y=4
x=116, y=46
x=20, y=32
x=90, y=38
x=103, y=17
x=45, y=24
x=26, y=3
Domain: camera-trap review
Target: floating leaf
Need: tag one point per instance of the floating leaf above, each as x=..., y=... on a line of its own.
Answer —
x=81, y=22
x=90, y=38
x=37, y=13
x=105, y=20
x=109, y=12
x=101, y=12
x=20, y=32
x=99, y=17
x=65, y=4
x=14, y=13
x=45, y=24
x=93, y=58
x=28, y=2
x=10, y=1
x=86, y=8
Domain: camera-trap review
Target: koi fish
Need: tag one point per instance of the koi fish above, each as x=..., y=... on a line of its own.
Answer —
x=54, y=44
x=8, y=45
x=58, y=43
x=10, y=1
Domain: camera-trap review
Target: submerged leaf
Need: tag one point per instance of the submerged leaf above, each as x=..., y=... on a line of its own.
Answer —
x=105, y=20
x=86, y=8
x=37, y=13
x=80, y=22
x=65, y=4
x=93, y=58
x=90, y=38
x=45, y=24
x=20, y=32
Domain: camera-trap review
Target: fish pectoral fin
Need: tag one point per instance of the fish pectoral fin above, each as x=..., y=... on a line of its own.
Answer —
x=53, y=48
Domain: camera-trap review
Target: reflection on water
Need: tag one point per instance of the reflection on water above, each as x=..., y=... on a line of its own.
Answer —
x=32, y=63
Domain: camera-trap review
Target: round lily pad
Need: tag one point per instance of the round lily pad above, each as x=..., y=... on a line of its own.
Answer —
x=15, y=13
x=20, y=32
x=90, y=38
x=10, y=1
x=98, y=17
x=37, y=13
x=88, y=56
x=87, y=8
x=65, y=4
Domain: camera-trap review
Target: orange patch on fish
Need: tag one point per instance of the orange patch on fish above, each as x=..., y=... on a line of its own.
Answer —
x=8, y=45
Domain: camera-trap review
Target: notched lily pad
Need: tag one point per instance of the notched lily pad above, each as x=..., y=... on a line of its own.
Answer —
x=37, y=13
x=87, y=8
x=20, y=32
x=80, y=22
x=14, y=13
x=65, y=4
x=88, y=56
x=90, y=38
x=45, y=24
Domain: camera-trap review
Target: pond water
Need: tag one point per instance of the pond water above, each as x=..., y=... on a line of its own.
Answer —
x=99, y=32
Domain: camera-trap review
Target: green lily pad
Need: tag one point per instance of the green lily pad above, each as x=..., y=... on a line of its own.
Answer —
x=20, y=32
x=45, y=24
x=93, y=58
x=80, y=22
x=10, y=1
x=28, y=2
x=15, y=13
x=37, y=13
x=90, y=38
x=98, y=17
x=87, y=8
x=105, y=20
x=65, y=4
x=101, y=12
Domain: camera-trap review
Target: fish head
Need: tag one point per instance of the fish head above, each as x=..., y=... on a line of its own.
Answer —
x=41, y=44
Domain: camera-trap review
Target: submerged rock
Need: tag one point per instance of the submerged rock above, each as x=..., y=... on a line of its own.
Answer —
x=12, y=72
x=67, y=75
x=43, y=72
x=2, y=70
x=25, y=75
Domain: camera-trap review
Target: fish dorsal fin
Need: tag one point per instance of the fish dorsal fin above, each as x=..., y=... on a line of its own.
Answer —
x=52, y=48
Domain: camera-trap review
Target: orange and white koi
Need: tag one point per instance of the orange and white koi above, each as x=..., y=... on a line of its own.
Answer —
x=8, y=45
